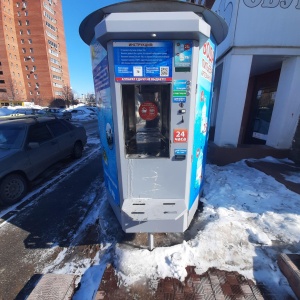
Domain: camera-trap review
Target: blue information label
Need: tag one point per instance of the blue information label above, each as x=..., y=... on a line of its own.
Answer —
x=180, y=151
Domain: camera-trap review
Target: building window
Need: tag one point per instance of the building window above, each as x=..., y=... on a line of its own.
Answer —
x=29, y=84
x=28, y=31
x=57, y=85
x=29, y=41
x=28, y=76
x=26, y=68
x=52, y=44
x=49, y=17
x=22, y=41
x=35, y=76
x=50, y=26
x=20, y=23
x=18, y=4
x=55, y=69
x=49, y=8
x=56, y=77
x=25, y=13
x=55, y=61
x=23, y=50
x=21, y=31
x=32, y=59
x=53, y=52
x=19, y=14
x=27, y=22
x=53, y=36
x=31, y=50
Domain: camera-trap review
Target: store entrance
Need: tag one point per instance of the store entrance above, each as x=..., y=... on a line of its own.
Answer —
x=262, y=104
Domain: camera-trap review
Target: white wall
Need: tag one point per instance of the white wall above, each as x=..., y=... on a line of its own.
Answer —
x=268, y=23
x=287, y=106
x=236, y=70
x=260, y=23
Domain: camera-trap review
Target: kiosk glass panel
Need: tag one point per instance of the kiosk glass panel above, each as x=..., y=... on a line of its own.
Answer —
x=146, y=113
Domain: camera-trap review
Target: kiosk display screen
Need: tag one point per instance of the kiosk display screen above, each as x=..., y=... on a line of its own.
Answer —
x=146, y=113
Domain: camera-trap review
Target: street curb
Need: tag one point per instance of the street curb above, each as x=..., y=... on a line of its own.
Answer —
x=286, y=263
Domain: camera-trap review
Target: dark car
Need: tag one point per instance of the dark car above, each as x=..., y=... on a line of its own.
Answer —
x=56, y=112
x=28, y=146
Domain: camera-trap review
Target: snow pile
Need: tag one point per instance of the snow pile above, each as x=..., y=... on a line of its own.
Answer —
x=248, y=219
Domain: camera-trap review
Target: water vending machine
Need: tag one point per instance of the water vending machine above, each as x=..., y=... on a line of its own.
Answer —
x=153, y=69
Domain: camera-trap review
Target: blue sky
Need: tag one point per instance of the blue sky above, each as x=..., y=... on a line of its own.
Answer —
x=79, y=59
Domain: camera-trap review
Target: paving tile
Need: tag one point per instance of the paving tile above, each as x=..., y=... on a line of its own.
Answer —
x=54, y=286
x=212, y=285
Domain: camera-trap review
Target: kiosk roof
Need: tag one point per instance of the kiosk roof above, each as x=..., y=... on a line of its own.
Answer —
x=219, y=28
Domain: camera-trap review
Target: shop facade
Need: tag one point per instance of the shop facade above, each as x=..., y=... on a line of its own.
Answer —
x=256, y=102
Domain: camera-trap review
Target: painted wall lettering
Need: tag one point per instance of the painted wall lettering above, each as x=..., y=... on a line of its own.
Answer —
x=208, y=51
x=225, y=10
x=272, y=3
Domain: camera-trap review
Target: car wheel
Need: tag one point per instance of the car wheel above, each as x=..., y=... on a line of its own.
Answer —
x=77, y=150
x=13, y=188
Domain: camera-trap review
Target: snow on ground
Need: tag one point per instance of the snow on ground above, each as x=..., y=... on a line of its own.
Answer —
x=248, y=218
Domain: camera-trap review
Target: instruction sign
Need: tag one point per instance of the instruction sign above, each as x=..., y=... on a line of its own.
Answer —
x=145, y=61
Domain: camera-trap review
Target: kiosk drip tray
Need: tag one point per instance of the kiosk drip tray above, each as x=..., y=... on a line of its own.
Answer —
x=154, y=209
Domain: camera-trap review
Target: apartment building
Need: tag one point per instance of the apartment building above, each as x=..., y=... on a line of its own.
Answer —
x=33, y=56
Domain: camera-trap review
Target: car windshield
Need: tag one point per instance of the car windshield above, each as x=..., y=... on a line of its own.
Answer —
x=11, y=137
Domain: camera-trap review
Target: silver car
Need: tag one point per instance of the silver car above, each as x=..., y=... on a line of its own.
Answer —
x=56, y=112
x=28, y=146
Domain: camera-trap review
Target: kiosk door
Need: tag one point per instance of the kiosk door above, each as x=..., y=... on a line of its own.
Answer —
x=146, y=113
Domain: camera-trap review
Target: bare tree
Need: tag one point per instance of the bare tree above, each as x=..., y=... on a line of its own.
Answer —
x=91, y=100
x=11, y=90
x=67, y=95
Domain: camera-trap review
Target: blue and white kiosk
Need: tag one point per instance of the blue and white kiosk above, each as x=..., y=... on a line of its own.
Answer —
x=153, y=68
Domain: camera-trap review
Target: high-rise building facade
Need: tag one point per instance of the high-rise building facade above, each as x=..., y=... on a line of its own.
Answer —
x=33, y=55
